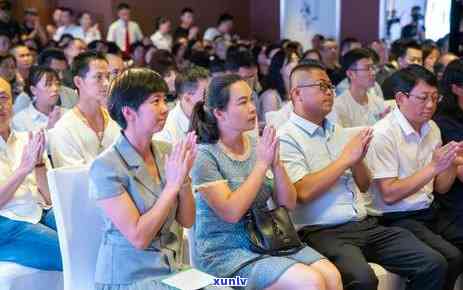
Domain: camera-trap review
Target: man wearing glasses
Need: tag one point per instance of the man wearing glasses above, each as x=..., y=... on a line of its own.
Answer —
x=326, y=165
x=408, y=163
x=359, y=105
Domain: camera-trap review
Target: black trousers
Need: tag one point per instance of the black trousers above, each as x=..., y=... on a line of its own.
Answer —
x=444, y=237
x=351, y=246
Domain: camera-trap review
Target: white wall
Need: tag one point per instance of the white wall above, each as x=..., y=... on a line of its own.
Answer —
x=297, y=24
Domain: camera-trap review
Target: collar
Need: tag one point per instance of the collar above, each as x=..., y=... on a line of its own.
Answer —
x=312, y=128
x=13, y=136
x=136, y=164
x=130, y=155
x=407, y=129
x=103, y=111
x=181, y=118
x=127, y=152
x=35, y=114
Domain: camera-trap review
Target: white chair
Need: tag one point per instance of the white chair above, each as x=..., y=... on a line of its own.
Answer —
x=387, y=280
x=79, y=226
x=17, y=277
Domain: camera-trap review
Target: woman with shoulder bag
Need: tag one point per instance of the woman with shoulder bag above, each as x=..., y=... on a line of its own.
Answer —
x=236, y=178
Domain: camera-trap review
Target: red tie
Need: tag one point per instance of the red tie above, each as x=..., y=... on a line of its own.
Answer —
x=127, y=39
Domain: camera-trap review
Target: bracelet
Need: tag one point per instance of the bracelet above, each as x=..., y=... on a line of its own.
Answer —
x=186, y=184
x=40, y=165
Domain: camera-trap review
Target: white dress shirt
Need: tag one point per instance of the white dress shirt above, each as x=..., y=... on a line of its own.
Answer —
x=91, y=35
x=74, y=30
x=21, y=102
x=176, y=126
x=306, y=148
x=27, y=203
x=116, y=33
x=73, y=143
x=162, y=41
x=397, y=150
x=350, y=113
x=30, y=119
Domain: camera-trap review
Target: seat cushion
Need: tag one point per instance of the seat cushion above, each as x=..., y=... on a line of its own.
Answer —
x=17, y=277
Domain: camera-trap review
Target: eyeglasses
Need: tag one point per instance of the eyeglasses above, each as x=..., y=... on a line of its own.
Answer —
x=372, y=68
x=324, y=87
x=434, y=97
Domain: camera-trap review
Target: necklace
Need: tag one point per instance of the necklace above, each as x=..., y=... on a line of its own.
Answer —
x=94, y=127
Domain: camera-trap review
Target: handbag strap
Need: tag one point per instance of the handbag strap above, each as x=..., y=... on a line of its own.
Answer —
x=244, y=264
x=258, y=258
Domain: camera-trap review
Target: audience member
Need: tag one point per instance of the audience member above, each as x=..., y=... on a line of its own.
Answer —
x=140, y=191
x=44, y=111
x=87, y=129
x=90, y=31
x=68, y=26
x=55, y=59
x=190, y=86
x=162, y=38
x=224, y=28
x=23, y=59
x=27, y=224
x=450, y=122
x=326, y=165
x=442, y=62
x=32, y=28
x=330, y=58
x=358, y=105
x=124, y=31
x=431, y=54
x=348, y=44
x=230, y=175
x=408, y=163
x=186, y=29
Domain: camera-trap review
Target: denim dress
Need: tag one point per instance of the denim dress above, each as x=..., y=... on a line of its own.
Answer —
x=220, y=247
x=120, y=265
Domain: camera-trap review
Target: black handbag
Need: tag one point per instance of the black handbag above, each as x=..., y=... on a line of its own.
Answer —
x=272, y=232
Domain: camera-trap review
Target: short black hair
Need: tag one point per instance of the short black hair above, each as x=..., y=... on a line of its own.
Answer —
x=187, y=79
x=374, y=55
x=68, y=10
x=162, y=62
x=309, y=51
x=224, y=17
x=239, y=58
x=187, y=10
x=306, y=65
x=406, y=79
x=6, y=33
x=4, y=57
x=428, y=47
x=81, y=63
x=199, y=58
x=160, y=21
x=271, y=47
x=49, y=54
x=453, y=75
x=348, y=41
x=113, y=48
x=352, y=57
x=122, y=6
x=131, y=88
x=408, y=44
x=98, y=44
